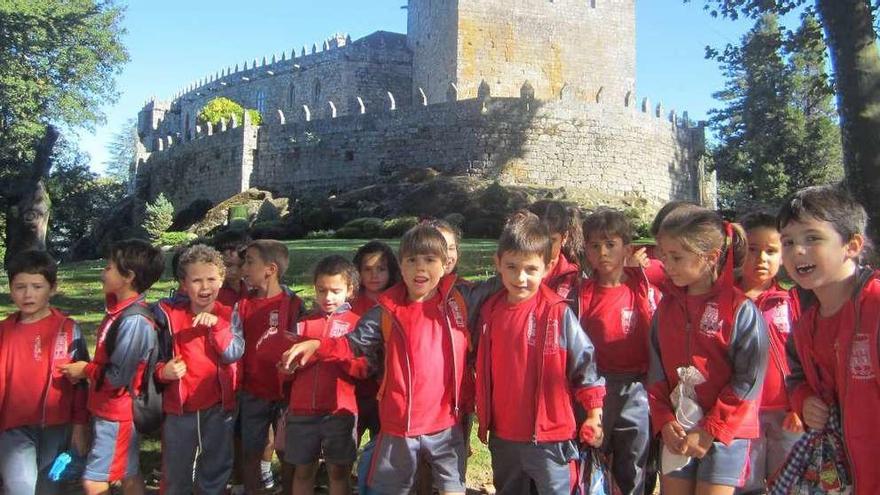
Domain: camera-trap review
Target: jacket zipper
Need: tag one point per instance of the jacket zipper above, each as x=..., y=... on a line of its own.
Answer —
x=316, y=368
x=452, y=348
x=540, y=382
x=171, y=336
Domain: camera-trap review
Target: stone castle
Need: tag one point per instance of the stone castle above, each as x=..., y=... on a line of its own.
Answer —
x=526, y=92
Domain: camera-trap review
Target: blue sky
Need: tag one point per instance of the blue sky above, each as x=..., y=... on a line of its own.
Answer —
x=172, y=43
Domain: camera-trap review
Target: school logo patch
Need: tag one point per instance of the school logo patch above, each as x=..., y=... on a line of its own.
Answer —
x=274, y=319
x=652, y=299
x=563, y=290
x=780, y=318
x=457, y=313
x=60, y=352
x=38, y=349
x=532, y=331
x=339, y=328
x=627, y=320
x=860, y=358
x=710, y=322
x=551, y=339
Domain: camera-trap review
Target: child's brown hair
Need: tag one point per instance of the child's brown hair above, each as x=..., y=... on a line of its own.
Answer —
x=702, y=231
x=609, y=223
x=33, y=262
x=140, y=258
x=564, y=220
x=273, y=252
x=423, y=240
x=337, y=265
x=199, y=253
x=387, y=254
x=831, y=203
x=525, y=233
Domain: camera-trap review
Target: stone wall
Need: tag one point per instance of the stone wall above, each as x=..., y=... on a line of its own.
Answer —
x=609, y=148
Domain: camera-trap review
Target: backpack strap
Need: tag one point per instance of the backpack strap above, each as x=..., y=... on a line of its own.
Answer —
x=113, y=333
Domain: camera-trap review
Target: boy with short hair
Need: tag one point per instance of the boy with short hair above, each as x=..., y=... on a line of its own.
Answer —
x=269, y=314
x=533, y=362
x=41, y=412
x=200, y=342
x=133, y=266
x=780, y=426
x=231, y=244
x=615, y=308
x=833, y=351
x=420, y=327
x=322, y=411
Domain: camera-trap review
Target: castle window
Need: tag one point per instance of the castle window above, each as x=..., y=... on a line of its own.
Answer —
x=291, y=95
x=316, y=94
x=261, y=101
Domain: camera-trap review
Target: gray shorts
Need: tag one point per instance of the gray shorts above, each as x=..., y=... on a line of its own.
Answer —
x=394, y=462
x=256, y=416
x=516, y=465
x=722, y=465
x=308, y=436
x=115, y=451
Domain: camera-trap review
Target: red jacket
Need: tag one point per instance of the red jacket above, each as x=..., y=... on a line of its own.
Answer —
x=566, y=369
x=61, y=401
x=380, y=333
x=326, y=387
x=210, y=355
x=722, y=334
x=858, y=371
x=621, y=334
x=110, y=399
x=779, y=317
x=564, y=277
x=268, y=331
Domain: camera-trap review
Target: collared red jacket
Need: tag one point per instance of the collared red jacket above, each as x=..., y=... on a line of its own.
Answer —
x=775, y=305
x=564, y=277
x=566, y=369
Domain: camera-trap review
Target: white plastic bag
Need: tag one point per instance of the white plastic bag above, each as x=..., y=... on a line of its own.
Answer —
x=687, y=412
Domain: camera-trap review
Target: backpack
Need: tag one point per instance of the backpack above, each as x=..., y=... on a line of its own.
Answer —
x=146, y=403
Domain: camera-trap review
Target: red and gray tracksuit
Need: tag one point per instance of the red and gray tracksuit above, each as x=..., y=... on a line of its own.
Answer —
x=564, y=277
x=199, y=407
x=854, y=383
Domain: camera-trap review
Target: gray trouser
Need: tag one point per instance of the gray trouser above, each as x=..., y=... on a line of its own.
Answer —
x=768, y=452
x=515, y=465
x=197, y=444
x=626, y=424
x=27, y=453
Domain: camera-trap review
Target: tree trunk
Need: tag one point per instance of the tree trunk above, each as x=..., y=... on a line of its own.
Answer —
x=850, y=35
x=27, y=220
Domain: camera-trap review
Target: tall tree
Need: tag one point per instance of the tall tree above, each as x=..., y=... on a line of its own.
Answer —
x=850, y=33
x=57, y=62
x=122, y=151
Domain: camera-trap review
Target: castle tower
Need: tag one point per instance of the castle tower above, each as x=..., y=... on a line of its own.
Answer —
x=582, y=45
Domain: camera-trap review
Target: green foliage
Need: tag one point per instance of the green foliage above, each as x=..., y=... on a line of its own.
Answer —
x=321, y=234
x=777, y=131
x=158, y=217
x=58, y=59
x=174, y=239
x=276, y=229
x=238, y=212
x=396, y=227
x=79, y=197
x=122, y=152
x=361, y=228
x=224, y=108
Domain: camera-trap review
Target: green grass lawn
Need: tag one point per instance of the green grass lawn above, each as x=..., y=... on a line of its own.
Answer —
x=79, y=295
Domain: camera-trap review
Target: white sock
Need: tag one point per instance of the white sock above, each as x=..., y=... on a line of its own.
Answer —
x=266, y=467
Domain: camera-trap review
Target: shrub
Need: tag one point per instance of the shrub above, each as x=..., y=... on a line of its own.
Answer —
x=174, y=239
x=361, y=228
x=238, y=212
x=276, y=229
x=158, y=217
x=456, y=219
x=396, y=227
x=224, y=108
x=193, y=213
x=321, y=234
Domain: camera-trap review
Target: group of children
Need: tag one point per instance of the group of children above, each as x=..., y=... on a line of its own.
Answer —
x=693, y=361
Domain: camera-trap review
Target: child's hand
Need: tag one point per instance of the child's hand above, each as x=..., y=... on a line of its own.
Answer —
x=815, y=412
x=792, y=423
x=74, y=371
x=299, y=354
x=285, y=370
x=639, y=258
x=674, y=437
x=205, y=319
x=591, y=430
x=174, y=369
x=79, y=439
x=697, y=443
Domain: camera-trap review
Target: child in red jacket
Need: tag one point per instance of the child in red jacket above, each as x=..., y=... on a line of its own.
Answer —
x=200, y=342
x=420, y=328
x=780, y=426
x=615, y=308
x=533, y=363
x=133, y=266
x=322, y=411
x=708, y=356
x=269, y=315
x=231, y=244
x=564, y=223
x=833, y=352
x=41, y=412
